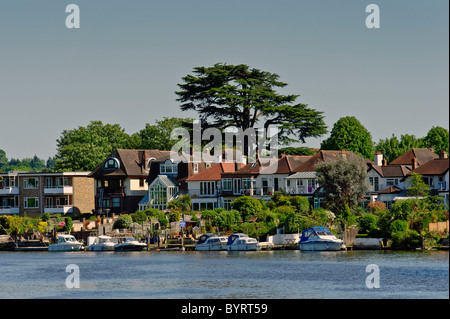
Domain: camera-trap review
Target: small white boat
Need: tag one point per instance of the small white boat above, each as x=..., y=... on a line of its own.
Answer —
x=102, y=243
x=211, y=241
x=66, y=243
x=319, y=239
x=130, y=244
x=241, y=241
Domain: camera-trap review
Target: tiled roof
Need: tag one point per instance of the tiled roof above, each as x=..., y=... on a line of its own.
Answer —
x=303, y=175
x=422, y=155
x=322, y=156
x=438, y=166
x=391, y=190
x=213, y=173
x=131, y=162
x=391, y=170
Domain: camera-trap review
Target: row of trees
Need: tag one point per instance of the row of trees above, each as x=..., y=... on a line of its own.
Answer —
x=226, y=96
x=349, y=134
x=27, y=164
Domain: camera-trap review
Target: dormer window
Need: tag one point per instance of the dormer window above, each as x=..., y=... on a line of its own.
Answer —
x=111, y=163
x=168, y=167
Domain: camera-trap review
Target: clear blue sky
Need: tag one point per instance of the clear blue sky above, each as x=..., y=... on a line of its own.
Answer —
x=124, y=63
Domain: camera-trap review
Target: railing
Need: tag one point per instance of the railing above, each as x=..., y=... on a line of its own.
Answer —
x=301, y=190
x=111, y=191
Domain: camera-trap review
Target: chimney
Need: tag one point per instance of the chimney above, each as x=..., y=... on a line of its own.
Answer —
x=343, y=155
x=378, y=158
x=431, y=149
x=384, y=162
x=443, y=154
x=414, y=163
x=283, y=155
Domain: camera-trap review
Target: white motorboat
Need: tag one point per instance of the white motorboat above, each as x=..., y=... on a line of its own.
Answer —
x=102, y=243
x=241, y=241
x=130, y=244
x=65, y=243
x=320, y=238
x=211, y=241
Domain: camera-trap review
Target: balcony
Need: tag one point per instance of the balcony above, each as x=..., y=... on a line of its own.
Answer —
x=6, y=210
x=58, y=190
x=298, y=190
x=62, y=209
x=108, y=191
x=7, y=190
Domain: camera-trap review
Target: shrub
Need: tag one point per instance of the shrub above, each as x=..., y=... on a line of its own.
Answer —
x=247, y=206
x=407, y=239
x=367, y=223
x=124, y=221
x=139, y=217
x=376, y=206
x=300, y=203
x=398, y=225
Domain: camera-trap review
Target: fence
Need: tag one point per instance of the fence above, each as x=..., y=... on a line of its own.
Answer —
x=439, y=227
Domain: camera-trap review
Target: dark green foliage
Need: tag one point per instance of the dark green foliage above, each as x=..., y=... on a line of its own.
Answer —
x=124, y=221
x=236, y=95
x=437, y=138
x=350, y=135
x=367, y=223
x=247, y=206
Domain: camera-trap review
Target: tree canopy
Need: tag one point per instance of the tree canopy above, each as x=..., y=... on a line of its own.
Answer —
x=350, y=135
x=344, y=182
x=243, y=97
x=84, y=148
x=391, y=148
x=437, y=138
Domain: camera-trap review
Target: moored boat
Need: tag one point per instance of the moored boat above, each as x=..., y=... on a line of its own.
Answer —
x=211, y=241
x=66, y=243
x=130, y=244
x=240, y=241
x=320, y=238
x=102, y=243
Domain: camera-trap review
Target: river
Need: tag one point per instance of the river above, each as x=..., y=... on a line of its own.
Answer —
x=206, y=275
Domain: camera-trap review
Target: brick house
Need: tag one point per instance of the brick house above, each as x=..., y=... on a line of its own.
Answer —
x=36, y=193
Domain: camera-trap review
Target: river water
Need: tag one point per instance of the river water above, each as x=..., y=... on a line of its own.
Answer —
x=199, y=275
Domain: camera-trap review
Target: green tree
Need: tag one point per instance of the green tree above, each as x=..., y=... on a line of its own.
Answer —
x=350, y=135
x=437, y=138
x=391, y=148
x=84, y=148
x=344, y=182
x=247, y=206
x=158, y=136
x=124, y=221
x=418, y=187
x=236, y=95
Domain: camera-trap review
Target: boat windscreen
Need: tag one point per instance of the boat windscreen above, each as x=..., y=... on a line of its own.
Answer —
x=231, y=239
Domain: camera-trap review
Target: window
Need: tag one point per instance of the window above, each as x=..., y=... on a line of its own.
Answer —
x=207, y=188
x=31, y=202
x=392, y=181
x=428, y=180
x=62, y=181
x=227, y=204
x=62, y=201
x=111, y=163
x=247, y=183
x=30, y=182
x=374, y=182
x=227, y=184
x=49, y=202
x=237, y=185
x=168, y=167
x=115, y=202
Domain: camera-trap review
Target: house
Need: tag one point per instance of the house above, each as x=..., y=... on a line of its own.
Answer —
x=36, y=193
x=415, y=157
x=304, y=182
x=168, y=179
x=385, y=181
x=120, y=180
x=435, y=174
x=205, y=188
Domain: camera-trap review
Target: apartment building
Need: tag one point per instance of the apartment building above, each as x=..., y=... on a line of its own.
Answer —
x=36, y=193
